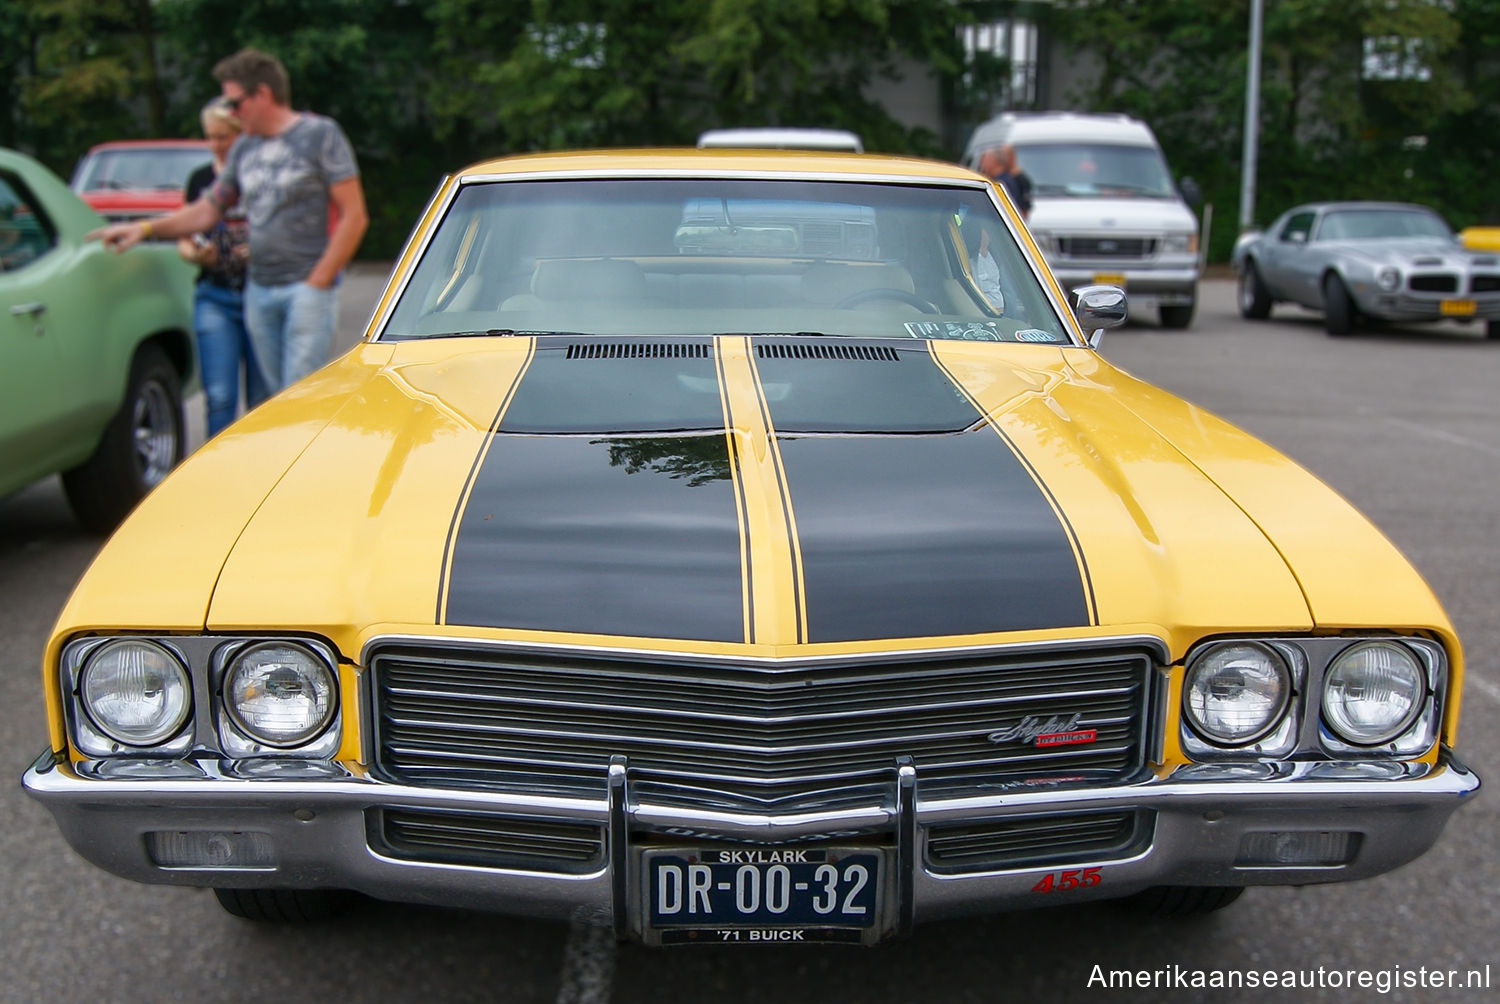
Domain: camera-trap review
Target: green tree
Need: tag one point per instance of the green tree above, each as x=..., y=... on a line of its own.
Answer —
x=1327, y=129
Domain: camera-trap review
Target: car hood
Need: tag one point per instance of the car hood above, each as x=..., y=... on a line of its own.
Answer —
x=1408, y=252
x=1109, y=215
x=740, y=494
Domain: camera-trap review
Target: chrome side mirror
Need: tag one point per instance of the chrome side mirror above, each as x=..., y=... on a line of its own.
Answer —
x=1097, y=308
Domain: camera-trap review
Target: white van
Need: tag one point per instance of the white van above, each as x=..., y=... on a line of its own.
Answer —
x=1105, y=209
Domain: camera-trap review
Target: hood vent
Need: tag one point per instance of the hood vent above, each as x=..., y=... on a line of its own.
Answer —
x=638, y=350
x=1427, y=261
x=849, y=353
x=1486, y=262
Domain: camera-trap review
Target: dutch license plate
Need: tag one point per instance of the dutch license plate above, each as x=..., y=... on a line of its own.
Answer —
x=762, y=895
x=1457, y=308
x=1109, y=279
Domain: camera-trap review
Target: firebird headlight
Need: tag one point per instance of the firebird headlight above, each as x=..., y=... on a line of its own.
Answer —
x=1389, y=279
x=135, y=692
x=1235, y=693
x=1373, y=692
x=279, y=693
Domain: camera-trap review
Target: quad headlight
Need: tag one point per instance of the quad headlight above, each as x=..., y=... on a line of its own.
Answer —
x=1373, y=692
x=135, y=692
x=1389, y=279
x=1236, y=693
x=280, y=694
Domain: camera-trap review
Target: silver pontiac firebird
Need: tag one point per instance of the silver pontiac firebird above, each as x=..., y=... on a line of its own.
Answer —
x=1354, y=261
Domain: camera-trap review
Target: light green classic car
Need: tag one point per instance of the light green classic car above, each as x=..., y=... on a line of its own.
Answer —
x=95, y=351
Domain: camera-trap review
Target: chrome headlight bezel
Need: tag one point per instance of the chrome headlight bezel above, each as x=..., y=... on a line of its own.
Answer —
x=95, y=737
x=1388, y=279
x=238, y=738
x=1414, y=733
x=1278, y=736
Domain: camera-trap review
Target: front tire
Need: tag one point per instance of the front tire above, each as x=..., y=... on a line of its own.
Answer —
x=1254, y=297
x=141, y=444
x=1338, y=310
x=285, y=906
x=1177, y=316
x=1183, y=900
x=1492, y=329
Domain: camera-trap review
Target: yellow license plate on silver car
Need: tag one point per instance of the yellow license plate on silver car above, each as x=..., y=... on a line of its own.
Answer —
x=1457, y=308
x=1109, y=279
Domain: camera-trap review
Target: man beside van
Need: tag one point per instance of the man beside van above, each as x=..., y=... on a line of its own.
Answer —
x=1000, y=165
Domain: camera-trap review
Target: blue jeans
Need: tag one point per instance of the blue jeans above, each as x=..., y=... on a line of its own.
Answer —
x=291, y=328
x=223, y=343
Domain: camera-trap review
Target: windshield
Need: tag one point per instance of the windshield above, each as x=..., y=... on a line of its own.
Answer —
x=145, y=169
x=1370, y=224
x=713, y=256
x=1096, y=169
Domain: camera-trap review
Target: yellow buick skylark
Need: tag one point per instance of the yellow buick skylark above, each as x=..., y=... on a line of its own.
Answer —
x=751, y=547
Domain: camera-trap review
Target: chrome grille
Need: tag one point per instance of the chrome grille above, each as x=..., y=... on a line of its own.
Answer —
x=495, y=841
x=1035, y=840
x=1107, y=247
x=457, y=717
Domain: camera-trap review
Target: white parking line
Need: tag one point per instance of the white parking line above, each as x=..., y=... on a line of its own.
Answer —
x=588, y=969
x=1479, y=683
x=1444, y=435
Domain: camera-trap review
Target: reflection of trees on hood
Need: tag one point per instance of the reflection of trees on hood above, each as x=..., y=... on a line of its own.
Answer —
x=699, y=459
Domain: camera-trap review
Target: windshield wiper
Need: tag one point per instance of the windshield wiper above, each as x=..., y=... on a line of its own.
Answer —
x=486, y=333
x=774, y=334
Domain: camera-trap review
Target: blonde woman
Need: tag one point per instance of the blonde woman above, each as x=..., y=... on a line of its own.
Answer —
x=221, y=254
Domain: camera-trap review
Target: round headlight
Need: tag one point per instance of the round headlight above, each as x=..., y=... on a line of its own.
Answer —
x=279, y=694
x=1389, y=279
x=1236, y=693
x=135, y=692
x=1373, y=692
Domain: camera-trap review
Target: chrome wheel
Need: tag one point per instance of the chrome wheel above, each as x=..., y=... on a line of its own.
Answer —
x=154, y=432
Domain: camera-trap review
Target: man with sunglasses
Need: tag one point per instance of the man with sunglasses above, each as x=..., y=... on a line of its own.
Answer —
x=287, y=169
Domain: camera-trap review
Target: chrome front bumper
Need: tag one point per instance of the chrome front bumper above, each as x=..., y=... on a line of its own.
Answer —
x=320, y=831
x=1143, y=283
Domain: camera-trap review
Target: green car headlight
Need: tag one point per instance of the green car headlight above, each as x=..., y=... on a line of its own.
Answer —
x=280, y=694
x=135, y=692
x=1235, y=693
x=1373, y=692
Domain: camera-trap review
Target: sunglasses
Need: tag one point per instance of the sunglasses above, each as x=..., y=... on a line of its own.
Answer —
x=233, y=104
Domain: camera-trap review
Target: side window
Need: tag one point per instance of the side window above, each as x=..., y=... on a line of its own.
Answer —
x=1297, y=228
x=25, y=231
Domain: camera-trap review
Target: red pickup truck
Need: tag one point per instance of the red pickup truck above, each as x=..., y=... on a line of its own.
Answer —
x=130, y=179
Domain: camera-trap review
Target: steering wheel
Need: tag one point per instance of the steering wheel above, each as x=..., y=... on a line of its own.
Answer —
x=910, y=299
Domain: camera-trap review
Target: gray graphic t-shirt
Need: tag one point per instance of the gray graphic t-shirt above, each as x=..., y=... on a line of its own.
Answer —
x=282, y=181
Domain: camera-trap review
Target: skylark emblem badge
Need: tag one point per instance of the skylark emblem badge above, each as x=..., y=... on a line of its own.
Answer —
x=1055, y=730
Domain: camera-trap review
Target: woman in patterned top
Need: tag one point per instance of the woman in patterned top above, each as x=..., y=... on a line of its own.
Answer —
x=222, y=254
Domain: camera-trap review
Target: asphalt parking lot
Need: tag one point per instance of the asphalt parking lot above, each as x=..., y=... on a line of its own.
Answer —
x=1404, y=422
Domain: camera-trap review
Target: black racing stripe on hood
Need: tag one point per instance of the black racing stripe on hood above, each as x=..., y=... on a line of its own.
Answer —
x=917, y=534
x=633, y=535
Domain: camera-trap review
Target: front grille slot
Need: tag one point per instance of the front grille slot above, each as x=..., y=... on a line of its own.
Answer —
x=471, y=838
x=754, y=733
x=1484, y=283
x=1036, y=840
x=1436, y=283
